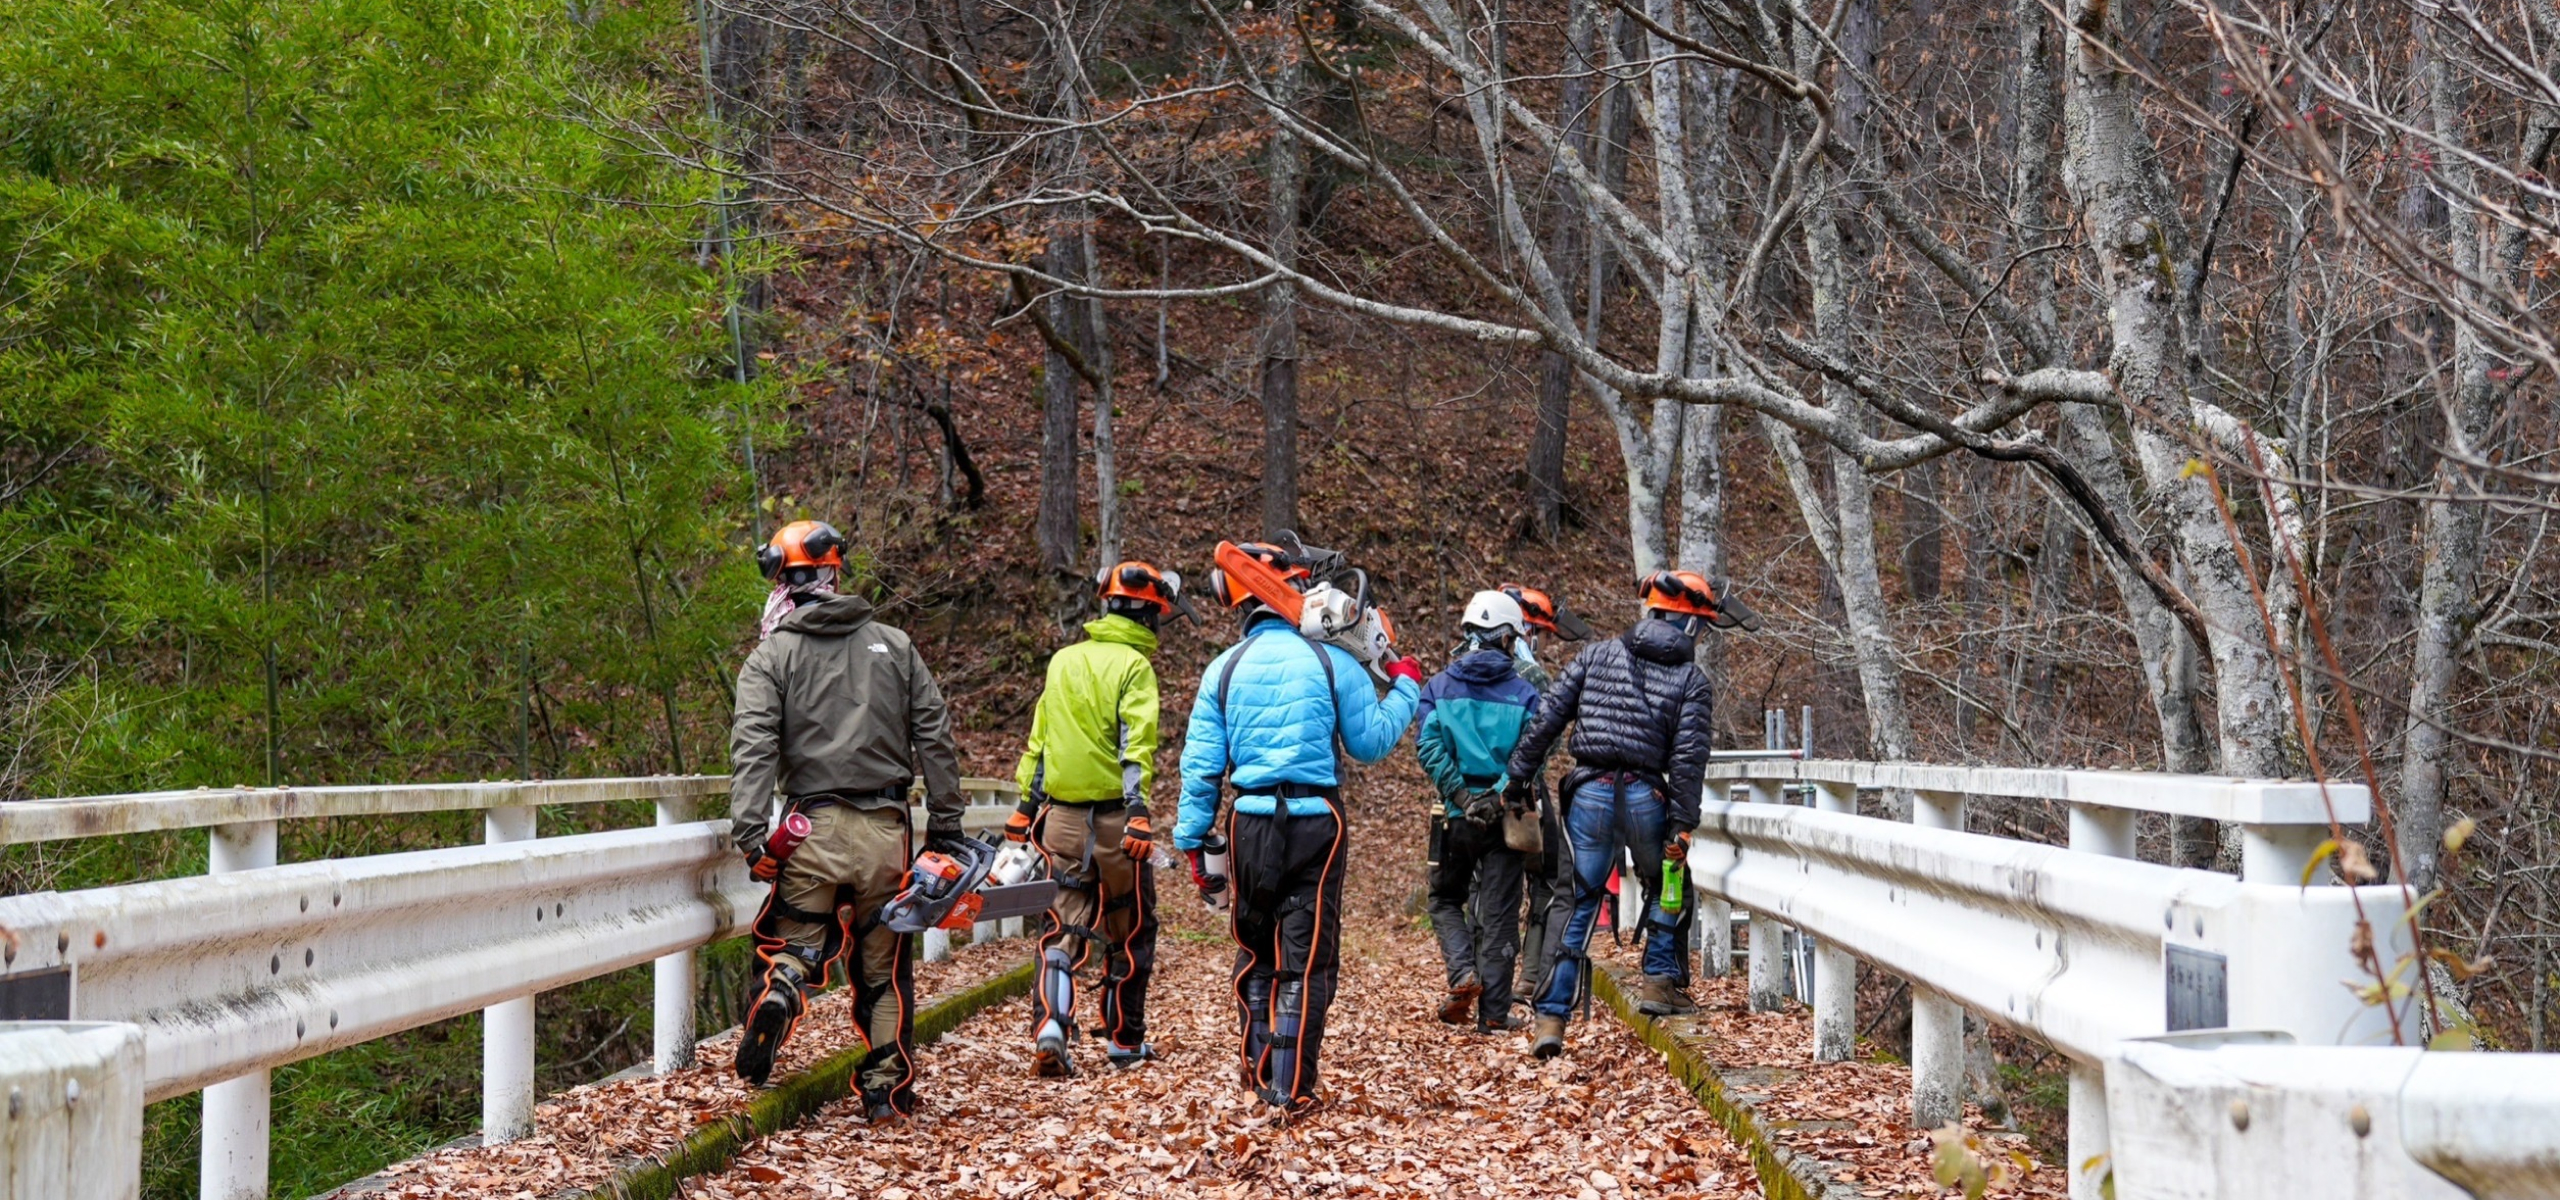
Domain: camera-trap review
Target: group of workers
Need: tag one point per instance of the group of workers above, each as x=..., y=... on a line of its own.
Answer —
x=837, y=716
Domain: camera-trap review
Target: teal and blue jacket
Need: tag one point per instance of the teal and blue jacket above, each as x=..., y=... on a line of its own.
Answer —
x=1277, y=725
x=1472, y=717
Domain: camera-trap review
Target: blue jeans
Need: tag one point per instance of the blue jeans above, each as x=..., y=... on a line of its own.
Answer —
x=1601, y=820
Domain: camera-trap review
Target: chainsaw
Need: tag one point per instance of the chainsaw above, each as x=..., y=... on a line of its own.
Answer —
x=1322, y=594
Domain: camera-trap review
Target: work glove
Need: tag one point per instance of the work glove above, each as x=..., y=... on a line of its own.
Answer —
x=1017, y=828
x=1211, y=886
x=1404, y=668
x=1519, y=795
x=947, y=841
x=1138, y=838
x=1677, y=845
x=762, y=867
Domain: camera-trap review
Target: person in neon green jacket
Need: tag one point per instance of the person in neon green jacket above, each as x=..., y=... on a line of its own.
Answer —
x=1085, y=777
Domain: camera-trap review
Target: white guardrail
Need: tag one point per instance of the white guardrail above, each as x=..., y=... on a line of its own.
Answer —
x=2108, y=959
x=223, y=977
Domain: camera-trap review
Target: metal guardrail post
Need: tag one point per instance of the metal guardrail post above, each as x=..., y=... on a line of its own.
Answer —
x=73, y=1129
x=1768, y=963
x=2089, y=1161
x=231, y=1161
x=937, y=944
x=1937, y=1023
x=2279, y=854
x=1937, y=1059
x=506, y=1028
x=1835, y=970
x=671, y=1008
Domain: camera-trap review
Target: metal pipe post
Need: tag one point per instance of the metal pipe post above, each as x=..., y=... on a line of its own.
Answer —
x=1937, y=1059
x=2280, y=854
x=1938, y=810
x=231, y=1162
x=1835, y=797
x=1768, y=963
x=937, y=944
x=506, y=1028
x=1835, y=1002
x=1630, y=898
x=672, y=1026
x=2097, y=829
x=1715, y=934
x=2090, y=1158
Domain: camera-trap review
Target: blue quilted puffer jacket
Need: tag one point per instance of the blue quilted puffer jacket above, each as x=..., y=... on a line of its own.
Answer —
x=1278, y=726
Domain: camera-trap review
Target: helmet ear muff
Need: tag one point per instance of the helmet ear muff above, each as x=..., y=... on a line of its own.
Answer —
x=823, y=544
x=768, y=560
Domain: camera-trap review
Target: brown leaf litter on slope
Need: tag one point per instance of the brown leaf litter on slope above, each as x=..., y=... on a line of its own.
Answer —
x=582, y=1134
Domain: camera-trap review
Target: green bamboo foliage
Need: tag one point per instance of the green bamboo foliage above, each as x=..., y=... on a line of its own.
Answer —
x=341, y=334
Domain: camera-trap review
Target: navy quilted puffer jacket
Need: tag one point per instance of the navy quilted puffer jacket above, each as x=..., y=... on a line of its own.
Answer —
x=1638, y=703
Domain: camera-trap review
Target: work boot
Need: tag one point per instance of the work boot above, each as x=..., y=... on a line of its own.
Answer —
x=1504, y=1022
x=776, y=1011
x=1461, y=1000
x=1049, y=1057
x=1662, y=997
x=1547, y=1039
x=1125, y=1057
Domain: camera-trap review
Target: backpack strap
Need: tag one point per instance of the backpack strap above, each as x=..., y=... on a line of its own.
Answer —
x=1227, y=675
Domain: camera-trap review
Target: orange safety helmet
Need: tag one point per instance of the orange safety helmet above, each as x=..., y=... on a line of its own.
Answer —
x=798, y=549
x=1689, y=594
x=1140, y=584
x=1544, y=614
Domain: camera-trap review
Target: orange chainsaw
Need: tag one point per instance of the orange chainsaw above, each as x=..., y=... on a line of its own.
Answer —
x=1320, y=593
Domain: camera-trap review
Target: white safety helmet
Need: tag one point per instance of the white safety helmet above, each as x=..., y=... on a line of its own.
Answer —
x=1492, y=613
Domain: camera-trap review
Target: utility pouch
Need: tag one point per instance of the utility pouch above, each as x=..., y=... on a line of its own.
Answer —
x=1522, y=831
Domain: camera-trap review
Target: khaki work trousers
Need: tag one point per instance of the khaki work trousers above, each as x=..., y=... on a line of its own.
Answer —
x=1106, y=899
x=853, y=861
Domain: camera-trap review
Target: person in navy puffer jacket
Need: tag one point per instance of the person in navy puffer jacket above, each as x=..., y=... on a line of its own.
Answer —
x=1641, y=711
x=1470, y=720
x=1266, y=718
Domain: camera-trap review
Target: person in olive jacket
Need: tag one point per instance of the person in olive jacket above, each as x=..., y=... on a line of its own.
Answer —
x=836, y=716
x=1085, y=777
x=1641, y=712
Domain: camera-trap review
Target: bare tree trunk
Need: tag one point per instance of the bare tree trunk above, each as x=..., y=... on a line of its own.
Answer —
x=1555, y=372
x=1093, y=341
x=1923, y=537
x=1056, y=525
x=2131, y=234
x=1285, y=175
x=2452, y=540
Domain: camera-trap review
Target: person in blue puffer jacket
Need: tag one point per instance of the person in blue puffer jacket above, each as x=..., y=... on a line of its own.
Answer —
x=1266, y=718
x=1471, y=717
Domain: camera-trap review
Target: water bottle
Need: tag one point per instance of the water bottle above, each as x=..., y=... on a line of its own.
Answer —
x=1213, y=863
x=1675, y=885
x=787, y=836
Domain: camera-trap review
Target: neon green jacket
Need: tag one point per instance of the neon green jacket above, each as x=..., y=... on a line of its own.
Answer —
x=1094, y=736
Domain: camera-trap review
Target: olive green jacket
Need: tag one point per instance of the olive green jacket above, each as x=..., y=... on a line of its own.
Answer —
x=837, y=702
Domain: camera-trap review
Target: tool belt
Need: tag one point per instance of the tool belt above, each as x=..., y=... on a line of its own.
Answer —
x=1329, y=793
x=1614, y=778
x=894, y=794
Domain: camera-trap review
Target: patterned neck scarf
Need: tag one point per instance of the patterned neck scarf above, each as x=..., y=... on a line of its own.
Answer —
x=787, y=596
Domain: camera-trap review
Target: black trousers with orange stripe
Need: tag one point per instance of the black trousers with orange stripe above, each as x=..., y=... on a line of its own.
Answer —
x=1288, y=930
x=1107, y=901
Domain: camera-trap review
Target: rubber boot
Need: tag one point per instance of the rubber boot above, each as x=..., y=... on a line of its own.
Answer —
x=1662, y=997
x=1050, y=1052
x=1547, y=1038
x=1287, y=1003
x=1461, y=1000
x=777, y=1009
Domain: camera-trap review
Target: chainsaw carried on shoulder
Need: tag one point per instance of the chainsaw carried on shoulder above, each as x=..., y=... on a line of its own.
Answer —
x=1320, y=592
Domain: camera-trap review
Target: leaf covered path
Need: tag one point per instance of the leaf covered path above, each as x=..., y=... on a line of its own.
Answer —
x=1415, y=1108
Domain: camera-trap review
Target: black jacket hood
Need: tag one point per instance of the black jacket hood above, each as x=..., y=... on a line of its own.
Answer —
x=1659, y=641
x=1484, y=668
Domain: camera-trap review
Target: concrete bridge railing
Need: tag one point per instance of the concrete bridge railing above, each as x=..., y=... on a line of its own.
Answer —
x=223, y=977
x=2173, y=992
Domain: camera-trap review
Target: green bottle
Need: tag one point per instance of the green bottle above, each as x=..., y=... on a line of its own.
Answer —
x=1675, y=885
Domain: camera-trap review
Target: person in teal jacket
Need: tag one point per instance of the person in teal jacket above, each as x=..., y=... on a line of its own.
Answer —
x=1085, y=776
x=1471, y=717
x=1267, y=716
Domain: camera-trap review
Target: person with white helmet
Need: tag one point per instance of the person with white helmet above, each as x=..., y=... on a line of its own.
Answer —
x=1471, y=717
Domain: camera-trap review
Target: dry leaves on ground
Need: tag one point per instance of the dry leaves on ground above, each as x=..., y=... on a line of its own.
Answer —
x=582, y=1134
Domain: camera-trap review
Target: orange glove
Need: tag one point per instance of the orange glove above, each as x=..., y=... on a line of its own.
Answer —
x=1138, y=840
x=763, y=867
x=1017, y=828
x=1677, y=846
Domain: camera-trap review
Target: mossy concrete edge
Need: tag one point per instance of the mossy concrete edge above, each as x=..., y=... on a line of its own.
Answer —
x=714, y=1145
x=1784, y=1174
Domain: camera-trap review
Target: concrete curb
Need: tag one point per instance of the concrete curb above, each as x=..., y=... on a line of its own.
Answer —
x=713, y=1146
x=1733, y=1098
